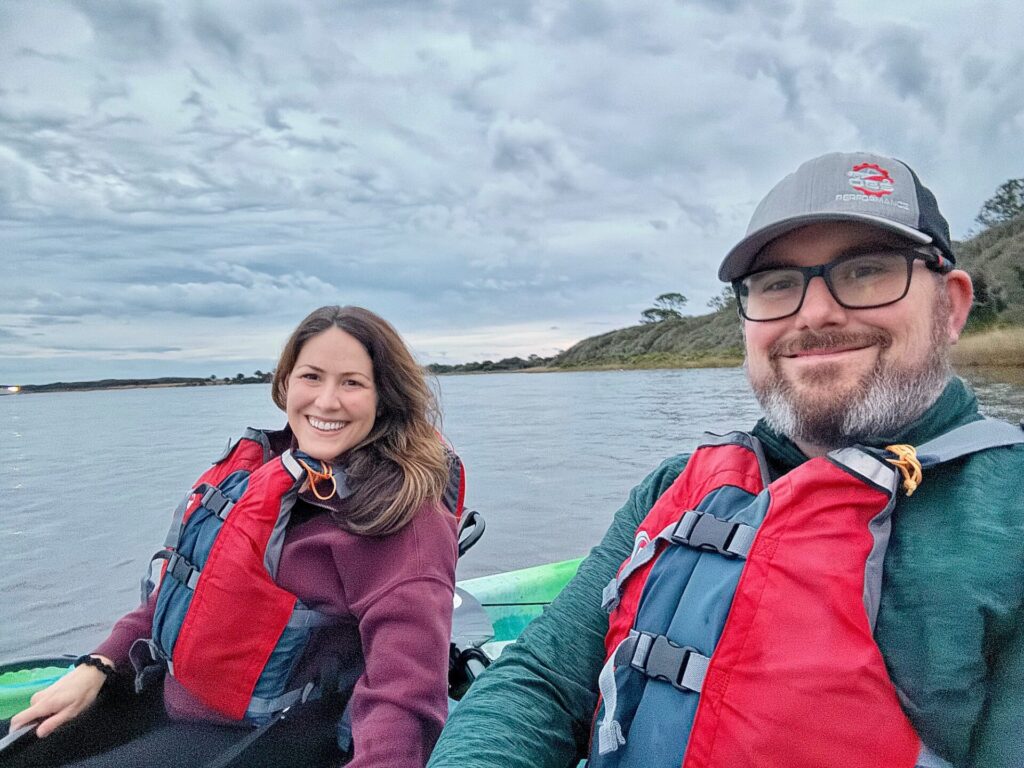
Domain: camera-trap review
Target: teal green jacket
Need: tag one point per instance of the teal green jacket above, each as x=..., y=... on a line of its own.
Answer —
x=950, y=624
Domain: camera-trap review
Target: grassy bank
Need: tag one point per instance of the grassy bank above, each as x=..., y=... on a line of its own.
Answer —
x=656, y=361
x=998, y=347
x=994, y=348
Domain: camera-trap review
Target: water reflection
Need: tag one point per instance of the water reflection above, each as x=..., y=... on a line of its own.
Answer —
x=1000, y=390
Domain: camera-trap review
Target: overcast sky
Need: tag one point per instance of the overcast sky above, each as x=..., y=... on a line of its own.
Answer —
x=181, y=182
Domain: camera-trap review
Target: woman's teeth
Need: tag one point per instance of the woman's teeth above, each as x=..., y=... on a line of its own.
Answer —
x=326, y=426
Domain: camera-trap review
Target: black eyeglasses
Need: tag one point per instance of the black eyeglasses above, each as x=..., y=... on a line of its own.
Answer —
x=863, y=280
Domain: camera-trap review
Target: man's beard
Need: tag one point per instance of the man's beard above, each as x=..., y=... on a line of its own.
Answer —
x=886, y=399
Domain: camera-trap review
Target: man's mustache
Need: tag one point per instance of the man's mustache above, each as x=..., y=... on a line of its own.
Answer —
x=828, y=340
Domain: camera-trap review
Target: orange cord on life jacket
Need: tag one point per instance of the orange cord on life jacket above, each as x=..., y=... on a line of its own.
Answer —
x=908, y=465
x=326, y=473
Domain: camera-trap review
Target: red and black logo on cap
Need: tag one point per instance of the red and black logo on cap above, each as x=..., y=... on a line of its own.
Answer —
x=871, y=179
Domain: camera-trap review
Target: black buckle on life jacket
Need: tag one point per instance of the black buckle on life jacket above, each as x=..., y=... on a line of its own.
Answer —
x=702, y=530
x=216, y=502
x=182, y=570
x=681, y=666
x=148, y=662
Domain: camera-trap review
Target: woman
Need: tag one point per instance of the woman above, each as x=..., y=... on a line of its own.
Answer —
x=368, y=546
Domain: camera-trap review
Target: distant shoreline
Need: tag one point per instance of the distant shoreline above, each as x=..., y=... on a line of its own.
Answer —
x=986, y=351
x=115, y=384
x=164, y=382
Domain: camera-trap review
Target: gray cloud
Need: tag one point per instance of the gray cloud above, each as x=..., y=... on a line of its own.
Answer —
x=126, y=29
x=902, y=56
x=113, y=350
x=216, y=34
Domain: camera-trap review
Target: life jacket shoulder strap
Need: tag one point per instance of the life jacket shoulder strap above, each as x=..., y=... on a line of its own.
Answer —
x=257, y=436
x=743, y=439
x=970, y=438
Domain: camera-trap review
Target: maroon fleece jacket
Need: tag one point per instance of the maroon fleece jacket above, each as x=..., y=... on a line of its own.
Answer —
x=394, y=594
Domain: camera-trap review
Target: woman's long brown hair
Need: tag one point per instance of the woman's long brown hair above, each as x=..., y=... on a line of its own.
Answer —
x=402, y=463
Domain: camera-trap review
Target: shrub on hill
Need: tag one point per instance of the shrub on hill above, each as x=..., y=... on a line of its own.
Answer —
x=995, y=260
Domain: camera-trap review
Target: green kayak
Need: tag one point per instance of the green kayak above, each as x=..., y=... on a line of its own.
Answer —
x=509, y=601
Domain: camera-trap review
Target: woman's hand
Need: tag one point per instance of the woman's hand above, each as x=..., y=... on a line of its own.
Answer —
x=64, y=700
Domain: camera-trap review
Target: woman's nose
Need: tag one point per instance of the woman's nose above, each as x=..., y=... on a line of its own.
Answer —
x=329, y=397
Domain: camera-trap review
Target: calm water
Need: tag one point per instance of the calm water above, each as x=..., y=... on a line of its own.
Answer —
x=88, y=479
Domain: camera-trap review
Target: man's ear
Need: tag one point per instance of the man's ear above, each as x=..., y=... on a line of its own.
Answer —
x=960, y=290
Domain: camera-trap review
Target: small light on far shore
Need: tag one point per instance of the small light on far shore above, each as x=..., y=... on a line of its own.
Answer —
x=14, y=389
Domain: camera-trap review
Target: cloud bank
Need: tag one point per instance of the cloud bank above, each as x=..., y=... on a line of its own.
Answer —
x=181, y=182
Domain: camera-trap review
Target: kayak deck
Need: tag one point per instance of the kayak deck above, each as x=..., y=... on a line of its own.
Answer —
x=19, y=680
x=514, y=598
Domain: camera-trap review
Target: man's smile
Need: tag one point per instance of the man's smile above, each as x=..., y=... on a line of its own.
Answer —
x=822, y=347
x=826, y=354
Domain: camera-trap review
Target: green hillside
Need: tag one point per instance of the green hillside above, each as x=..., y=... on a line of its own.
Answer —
x=705, y=340
x=994, y=258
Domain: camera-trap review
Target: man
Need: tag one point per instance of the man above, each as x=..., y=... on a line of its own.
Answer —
x=850, y=302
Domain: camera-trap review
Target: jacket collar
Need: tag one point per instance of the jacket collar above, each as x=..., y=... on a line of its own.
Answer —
x=283, y=440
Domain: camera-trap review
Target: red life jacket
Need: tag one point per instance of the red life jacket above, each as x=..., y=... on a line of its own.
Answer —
x=222, y=626
x=740, y=633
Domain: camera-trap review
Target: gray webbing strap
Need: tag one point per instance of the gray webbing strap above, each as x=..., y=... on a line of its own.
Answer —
x=643, y=551
x=258, y=706
x=969, y=438
x=174, y=532
x=744, y=440
x=868, y=467
x=149, y=581
x=307, y=617
x=230, y=755
x=293, y=466
x=609, y=732
x=928, y=759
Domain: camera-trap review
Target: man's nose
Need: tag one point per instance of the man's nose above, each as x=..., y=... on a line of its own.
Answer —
x=820, y=309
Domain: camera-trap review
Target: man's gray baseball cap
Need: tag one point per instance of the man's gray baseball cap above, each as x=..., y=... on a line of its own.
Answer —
x=856, y=186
